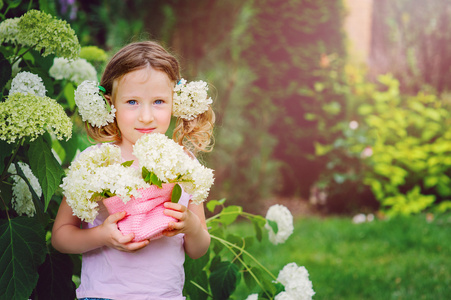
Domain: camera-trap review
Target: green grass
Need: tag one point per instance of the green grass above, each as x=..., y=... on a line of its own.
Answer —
x=401, y=258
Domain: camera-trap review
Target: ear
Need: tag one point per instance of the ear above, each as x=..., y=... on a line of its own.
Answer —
x=108, y=98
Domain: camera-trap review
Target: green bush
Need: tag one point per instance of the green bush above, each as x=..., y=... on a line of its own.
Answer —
x=399, y=146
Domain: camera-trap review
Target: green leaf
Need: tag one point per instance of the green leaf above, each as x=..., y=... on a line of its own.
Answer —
x=273, y=225
x=45, y=167
x=223, y=279
x=258, y=222
x=6, y=191
x=55, y=277
x=176, y=193
x=127, y=163
x=13, y=3
x=211, y=205
x=197, y=287
x=69, y=91
x=194, y=267
x=155, y=180
x=229, y=214
x=145, y=174
x=5, y=151
x=22, y=250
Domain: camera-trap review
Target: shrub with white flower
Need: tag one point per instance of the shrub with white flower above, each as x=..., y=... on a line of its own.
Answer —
x=190, y=99
x=92, y=106
x=76, y=71
x=97, y=174
x=161, y=156
x=22, y=200
x=283, y=219
x=27, y=115
x=296, y=282
x=27, y=83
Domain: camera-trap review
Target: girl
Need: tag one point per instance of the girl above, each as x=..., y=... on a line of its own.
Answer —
x=139, y=82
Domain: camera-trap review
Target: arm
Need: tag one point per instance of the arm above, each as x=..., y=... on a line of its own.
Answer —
x=192, y=224
x=68, y=237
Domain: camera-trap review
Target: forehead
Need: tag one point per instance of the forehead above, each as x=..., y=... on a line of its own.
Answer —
x=148, y=76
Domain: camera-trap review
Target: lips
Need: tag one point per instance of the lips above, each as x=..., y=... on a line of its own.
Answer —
x=145, y=130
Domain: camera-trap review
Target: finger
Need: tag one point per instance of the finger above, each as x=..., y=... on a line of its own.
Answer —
x=136, y=246
x=114, y=218
x=124, y=239
x=175, y=206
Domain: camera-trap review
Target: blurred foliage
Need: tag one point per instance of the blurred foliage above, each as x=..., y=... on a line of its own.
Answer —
x=297, y=53
x=411, y=40
x=283, y=99
x=398, y=145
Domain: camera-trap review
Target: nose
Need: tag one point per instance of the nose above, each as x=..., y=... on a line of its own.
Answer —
x=146, y=114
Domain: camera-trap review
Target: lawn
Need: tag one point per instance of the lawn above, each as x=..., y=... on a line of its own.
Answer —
x=400, y=258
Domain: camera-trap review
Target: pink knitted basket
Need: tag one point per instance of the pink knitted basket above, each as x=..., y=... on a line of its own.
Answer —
x=145, y=216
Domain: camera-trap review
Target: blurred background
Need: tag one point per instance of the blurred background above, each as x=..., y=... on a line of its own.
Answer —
x=333, y=108
x=328, y=106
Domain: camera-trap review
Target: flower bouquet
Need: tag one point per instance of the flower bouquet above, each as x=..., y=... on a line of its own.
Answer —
x=164, y=169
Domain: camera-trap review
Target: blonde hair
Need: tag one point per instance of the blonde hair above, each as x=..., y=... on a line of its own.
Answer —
x=195, y=135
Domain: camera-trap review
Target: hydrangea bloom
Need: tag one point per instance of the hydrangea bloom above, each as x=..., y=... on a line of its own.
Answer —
x=93, y=53
x=169, y=162
x=27, y=115
x=47, y=33
x=76, y=71
x=95, y=172
x=282, y=216
x=22, y=199
x=296, y=282
x=9, y=30
x=283, y=296
x=252, y=297
x=92, y=106
x=190, y=99
x=27, y=83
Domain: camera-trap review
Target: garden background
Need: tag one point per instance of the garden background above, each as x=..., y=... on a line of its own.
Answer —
x=332, y=108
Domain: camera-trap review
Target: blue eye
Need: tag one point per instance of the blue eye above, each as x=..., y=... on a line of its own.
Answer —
x=132, y=102
x=159, y=102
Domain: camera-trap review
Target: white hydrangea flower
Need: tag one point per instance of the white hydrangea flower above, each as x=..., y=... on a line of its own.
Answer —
x=296, y=281
x=27, y=83
x=190, y=99
x=119, y=180
x=28, y=115
x=22, y=199
x=284, y=219
x=76, y=71
x=284, y=296
x=9, y=30
x=95, y=171
x=252, y=297
x=92, y=106
x=169, y=162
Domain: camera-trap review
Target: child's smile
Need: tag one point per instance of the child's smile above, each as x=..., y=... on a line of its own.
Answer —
x=143, y=100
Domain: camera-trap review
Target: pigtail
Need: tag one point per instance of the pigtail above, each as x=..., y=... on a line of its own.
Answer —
x=196, y=135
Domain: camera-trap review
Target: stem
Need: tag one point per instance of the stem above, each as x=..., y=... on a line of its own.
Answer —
x=229, y=213
x=20, y=56
x=245, y=252
x=6, y=208
x=201, y=288
x=230, y=245
x=5, y=170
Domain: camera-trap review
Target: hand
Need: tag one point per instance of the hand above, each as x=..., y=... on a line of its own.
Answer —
x=113, y=238
x=188, y=222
